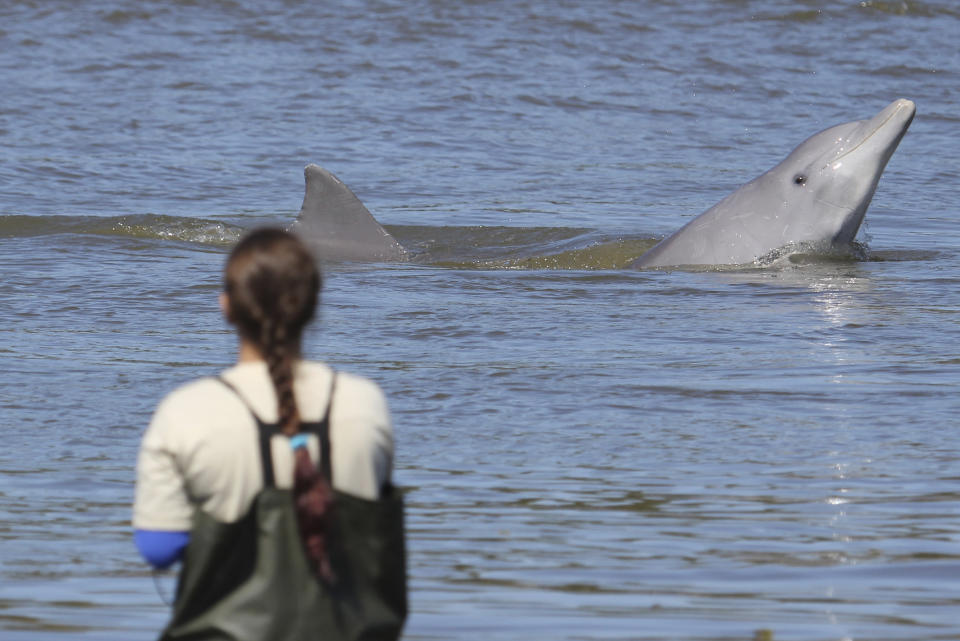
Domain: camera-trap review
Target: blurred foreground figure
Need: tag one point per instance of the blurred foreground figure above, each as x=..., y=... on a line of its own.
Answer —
x=272, y=481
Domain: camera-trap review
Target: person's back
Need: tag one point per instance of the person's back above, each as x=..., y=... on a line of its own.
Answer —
x=273, y=480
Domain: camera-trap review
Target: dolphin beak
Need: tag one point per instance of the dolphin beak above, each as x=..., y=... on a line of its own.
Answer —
x=897, y=116
x=885, y=129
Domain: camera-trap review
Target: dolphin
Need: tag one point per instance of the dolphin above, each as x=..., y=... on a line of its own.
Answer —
x=336, y=225
x=816, y=197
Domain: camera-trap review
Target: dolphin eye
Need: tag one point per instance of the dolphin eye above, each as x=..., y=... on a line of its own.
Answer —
x=800, y=179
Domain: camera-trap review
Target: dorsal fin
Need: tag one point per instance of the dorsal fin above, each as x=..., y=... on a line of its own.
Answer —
x=337, y=226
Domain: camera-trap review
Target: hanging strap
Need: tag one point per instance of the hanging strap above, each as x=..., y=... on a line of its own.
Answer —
x=266, y=432
x=323, y=433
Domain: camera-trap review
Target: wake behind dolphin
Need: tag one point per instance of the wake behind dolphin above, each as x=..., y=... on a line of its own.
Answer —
x=816, y=197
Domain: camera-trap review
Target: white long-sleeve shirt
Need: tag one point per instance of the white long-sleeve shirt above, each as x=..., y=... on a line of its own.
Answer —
x=201, y=450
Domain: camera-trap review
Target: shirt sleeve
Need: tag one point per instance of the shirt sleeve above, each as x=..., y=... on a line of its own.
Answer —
x=362, y=439
x=161, y=500
x=159, y=548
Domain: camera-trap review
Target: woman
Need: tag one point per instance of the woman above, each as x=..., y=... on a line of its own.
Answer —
x=272, y=482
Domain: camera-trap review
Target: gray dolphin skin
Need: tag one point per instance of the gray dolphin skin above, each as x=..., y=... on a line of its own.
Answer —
x=336, y=225
x=817, y=196
x=814, y=200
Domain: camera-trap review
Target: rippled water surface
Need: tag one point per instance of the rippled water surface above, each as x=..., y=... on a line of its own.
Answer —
x=590, y=452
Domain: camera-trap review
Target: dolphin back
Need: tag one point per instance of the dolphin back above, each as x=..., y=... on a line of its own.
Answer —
x=337, y=226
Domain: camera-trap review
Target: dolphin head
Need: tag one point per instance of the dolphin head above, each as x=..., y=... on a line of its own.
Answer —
x=817, y=195
x=827, y=182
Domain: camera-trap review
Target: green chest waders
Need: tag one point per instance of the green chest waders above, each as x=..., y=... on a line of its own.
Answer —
x=249, y=580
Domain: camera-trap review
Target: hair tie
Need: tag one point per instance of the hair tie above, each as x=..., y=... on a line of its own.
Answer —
x=300, y=440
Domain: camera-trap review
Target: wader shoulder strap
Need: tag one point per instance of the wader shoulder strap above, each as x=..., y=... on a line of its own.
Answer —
x=323, y=433
x=266, y=432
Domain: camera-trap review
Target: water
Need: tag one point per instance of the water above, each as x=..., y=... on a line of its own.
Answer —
x=590, y=452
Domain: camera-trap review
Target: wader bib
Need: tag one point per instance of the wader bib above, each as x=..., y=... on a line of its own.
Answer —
x=250, y=580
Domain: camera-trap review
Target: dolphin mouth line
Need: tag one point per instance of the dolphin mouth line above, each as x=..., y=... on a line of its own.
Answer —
x=901, y=105
x=840, y=208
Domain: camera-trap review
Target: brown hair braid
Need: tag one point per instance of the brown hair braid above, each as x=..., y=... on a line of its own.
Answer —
x=272, y=284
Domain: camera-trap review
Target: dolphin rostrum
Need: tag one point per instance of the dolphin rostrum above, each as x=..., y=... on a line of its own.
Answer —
x=337, y=226
x=817, y=196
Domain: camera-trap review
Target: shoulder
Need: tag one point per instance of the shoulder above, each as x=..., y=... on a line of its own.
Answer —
x=358, y=409
x=197, y=398
x=358, y=387
x=193, y=407
x=360, y=401
x=196, y=390
x=349, y=389
x=361, y=436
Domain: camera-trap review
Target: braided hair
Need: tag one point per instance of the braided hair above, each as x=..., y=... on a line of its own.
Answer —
x=272, y=284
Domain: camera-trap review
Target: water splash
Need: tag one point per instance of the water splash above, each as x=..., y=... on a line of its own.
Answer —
x=143, y=226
